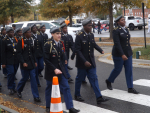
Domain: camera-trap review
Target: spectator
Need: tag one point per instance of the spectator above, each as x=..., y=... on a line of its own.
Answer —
x=93, y=25
x=99, y=27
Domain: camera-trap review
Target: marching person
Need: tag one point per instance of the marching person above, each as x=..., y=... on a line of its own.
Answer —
x=43, y=34
x=122, y=55
x=68, y=43
x=28, y=63
x=55, y=58
x=18, y=33
x=2, y=36
x=38, y=48
x=9, y=59
x=85, y=61
x=14, y=27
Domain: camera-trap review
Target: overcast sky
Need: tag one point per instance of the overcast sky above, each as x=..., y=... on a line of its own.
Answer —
x=37, y=1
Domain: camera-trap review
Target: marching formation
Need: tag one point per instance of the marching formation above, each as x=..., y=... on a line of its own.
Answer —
x=30, y=49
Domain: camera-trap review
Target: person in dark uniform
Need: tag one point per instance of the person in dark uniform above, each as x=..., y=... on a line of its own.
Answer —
x=38, y=48
x=18, y=33
x=68, y=43
x=28, y=63
x=9, y=59
x=85, y=61
x=2, y=36
x=14, y=27
x=122, y=55
x=55, y=58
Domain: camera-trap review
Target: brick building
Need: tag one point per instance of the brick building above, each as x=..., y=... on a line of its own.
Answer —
x=136, y=12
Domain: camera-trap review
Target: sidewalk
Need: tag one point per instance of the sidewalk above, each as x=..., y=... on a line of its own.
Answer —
x=107, y=58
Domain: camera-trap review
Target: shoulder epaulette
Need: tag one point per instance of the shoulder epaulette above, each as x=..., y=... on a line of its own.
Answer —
x=80, y=33
x=5, y=38
x=115, y=28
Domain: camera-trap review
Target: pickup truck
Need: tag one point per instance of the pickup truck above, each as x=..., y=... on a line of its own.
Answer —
x=132, y=22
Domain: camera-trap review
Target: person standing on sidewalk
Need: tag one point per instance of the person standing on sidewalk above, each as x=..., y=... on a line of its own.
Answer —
x=55, y=58
x=2, y=36
x=28, y=64
x=93, y=26
x=99, y=27
x=9, y=59
x=68, y=43
x=122, y=55
x=85, y=61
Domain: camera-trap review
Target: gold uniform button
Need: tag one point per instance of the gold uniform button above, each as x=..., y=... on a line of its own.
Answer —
x=89, y=46
x=127, y=35
x=13, y=54
x=89, y=50
x=127, y=44
x=127, y=38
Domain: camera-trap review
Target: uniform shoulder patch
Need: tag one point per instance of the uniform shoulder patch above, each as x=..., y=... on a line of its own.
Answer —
x=80, y=33
x=115, y=28
x=5, y=38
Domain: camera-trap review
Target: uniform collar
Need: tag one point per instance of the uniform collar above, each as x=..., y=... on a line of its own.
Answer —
x=86, y=32
x=56, y=42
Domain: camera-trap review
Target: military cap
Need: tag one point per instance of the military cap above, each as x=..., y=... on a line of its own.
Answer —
x=2, y=29
x=86, y=21
x=63, y=25
x=55, y=29
x=32, y=26
x=13, y=25
x=118, y=18
x=25, y=29
x=17, y=30
x=9, y=29
x=42, y=26
x=62, y=22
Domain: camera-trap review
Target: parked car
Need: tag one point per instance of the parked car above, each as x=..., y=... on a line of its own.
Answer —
x=104, y=23
x=132, y=22
x=48, y=25
x=140, y=18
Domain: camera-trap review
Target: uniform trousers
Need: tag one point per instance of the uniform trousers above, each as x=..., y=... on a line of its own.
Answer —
x=11, y=72
x=25, y=76
x=65, y=89
x=4, y=71
x=92, y=76
x=118, y=64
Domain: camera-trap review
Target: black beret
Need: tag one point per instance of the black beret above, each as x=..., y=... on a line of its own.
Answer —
x=13, y=25
x=86, y=21
x=55, y=29
x=2, y=29
x=9, y=29
x=118, y=18
x=63, y=25
x=42, y=26
x=18, y=29
x=25, y=29
x=32, y=26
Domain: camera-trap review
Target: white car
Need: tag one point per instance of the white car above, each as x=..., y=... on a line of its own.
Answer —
x=48, y=25
x=132, y=22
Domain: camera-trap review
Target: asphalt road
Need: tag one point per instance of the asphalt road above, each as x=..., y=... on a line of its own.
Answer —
x=123, y=105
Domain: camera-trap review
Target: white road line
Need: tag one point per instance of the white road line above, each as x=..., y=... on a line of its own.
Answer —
x=142, y=82
x=87, y=108
x=125, y=96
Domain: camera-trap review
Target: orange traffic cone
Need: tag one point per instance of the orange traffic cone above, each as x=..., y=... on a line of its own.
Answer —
x=56, y=105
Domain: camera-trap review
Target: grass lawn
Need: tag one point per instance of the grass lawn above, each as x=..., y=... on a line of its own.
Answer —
x=145, y=53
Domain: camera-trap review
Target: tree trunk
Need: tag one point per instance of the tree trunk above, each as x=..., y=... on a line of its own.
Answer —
x=12, y=18
x=111, y=19
x=70, y=16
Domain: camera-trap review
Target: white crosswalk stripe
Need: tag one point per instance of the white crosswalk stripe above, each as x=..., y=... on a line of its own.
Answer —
x=142, y=82
x=121, y=95
x=87, y=108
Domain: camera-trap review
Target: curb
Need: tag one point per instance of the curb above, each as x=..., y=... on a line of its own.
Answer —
x=107, y=58
x=8, y=109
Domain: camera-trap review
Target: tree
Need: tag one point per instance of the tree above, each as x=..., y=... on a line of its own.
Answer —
x=15, y=8
x=59, y=8
x=106, y=7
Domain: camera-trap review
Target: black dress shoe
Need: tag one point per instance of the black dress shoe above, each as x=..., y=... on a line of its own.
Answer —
x=101, y=99
x=70, y=68
x=0, y=85
x=19, y=94
x=11, y=91
x=37, y=99
x=70, y=79
x=109, y=86
x=40, y=75
x=15, y=91
x=39, y=85
x=47, y=110
x=73, y=110
x=5, y=75
x=84, y=82
x=79, y=98
x=132, y=90
x=16, y=78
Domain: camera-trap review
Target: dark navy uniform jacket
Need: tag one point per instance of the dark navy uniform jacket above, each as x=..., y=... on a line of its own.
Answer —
x=44, y=37
x=1, y=38
x=54, y=58
x=68, y=42
x=38, y=45
x=84, y=47
x=121, y=42
x=9, y=51
x=26, y=53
